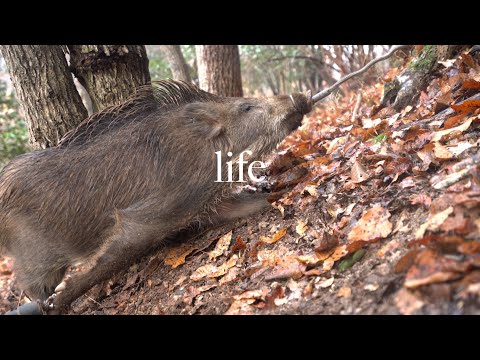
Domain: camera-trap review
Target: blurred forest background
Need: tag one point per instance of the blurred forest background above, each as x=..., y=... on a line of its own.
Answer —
x=265, y=70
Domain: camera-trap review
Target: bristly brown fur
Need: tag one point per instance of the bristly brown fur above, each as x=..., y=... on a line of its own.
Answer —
x=130, y=176
x=159, y=95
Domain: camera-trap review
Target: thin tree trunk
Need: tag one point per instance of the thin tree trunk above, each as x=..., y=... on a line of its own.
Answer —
x=109, y=73
x=176, y=61
x=45, y=89
x=219, y=69
x=406, y=88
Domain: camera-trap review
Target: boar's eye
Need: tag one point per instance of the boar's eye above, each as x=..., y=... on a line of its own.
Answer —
x=246, y=107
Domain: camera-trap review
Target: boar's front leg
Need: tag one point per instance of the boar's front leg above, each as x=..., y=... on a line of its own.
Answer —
x=132, y=237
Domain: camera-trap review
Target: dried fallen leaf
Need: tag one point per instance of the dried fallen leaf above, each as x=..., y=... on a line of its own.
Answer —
x=222, y=269
x=433, y=222
x=357, y=245
x=241, y=307
x=470, y=248
x=309, y=259
x=281, y=301
x=453, y=121
x=372, y=225
x=212, y=271
x=230, y=276
x=339, y=253
x=467, y=106
x=242, y=303
x=256, y=246
x=279, y=207
x=335, y=143
x=6, y=266
x=430, y=267
x=421, y=199
x=269, y=257
x=291, y=177
x=325, y=241
x=287, y=267
x=152, y=266
x=314, y=272
x=407, y=182
x=277, y=294
x=417, y=140
x=251, y=294
x=459, y=148
x=406, y=261
x=471, y=84
x=392, y=245
x=325, y=283
x=179, y=281
x=344, y=292
x=301, y=227
x=452, y=132
x=239, y=245
x=371, y=287
x=407, y=303
x=221, y=247
x=397, y=166
x=349, y=208
x=457, y=223
x=176, y=256
x=207, y=287
x=359, y=173
x=190, y=294
x=311, y=189
x=278, y=235
x=203, y=271
x=441, y=152
x=401, y=226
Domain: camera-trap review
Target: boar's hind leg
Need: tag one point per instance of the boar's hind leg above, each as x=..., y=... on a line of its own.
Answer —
x=39, y=266
x=131, y=239
x=40, y=278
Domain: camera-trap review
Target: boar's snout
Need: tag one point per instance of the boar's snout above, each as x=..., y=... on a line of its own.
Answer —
x=302, y=102
x=296, y=105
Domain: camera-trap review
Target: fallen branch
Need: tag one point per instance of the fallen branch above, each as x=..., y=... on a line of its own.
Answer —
x=324, y=93
x=461, y=170
x=440, y=117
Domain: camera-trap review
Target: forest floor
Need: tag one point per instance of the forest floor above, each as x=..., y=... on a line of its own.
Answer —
x=370, y=215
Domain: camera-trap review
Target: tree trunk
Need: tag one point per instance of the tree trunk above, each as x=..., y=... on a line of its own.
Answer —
x=406, y=88
x=219, y=69
x=109, y=73
x=45, y=90
x=178, y=66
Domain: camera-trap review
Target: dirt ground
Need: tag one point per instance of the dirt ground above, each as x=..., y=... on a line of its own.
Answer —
x=370, y=215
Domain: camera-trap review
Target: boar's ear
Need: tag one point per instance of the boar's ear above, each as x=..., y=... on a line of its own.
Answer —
x=198, y=117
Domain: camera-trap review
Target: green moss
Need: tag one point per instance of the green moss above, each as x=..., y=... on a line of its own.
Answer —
x=348, y=263
x=427, y=59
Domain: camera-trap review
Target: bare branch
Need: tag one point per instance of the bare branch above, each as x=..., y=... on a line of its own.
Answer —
x=328, y=91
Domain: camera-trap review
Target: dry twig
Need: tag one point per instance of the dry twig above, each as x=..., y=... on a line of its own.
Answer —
x=324, y=93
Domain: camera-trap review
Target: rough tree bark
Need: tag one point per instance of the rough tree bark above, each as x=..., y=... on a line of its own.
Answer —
x=219, y=69
x=176, y=61
x=45, y=89
x=109, y=73
x=405, y=89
